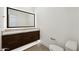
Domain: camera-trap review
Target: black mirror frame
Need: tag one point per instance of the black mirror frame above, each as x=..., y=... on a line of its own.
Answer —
x=19, y=11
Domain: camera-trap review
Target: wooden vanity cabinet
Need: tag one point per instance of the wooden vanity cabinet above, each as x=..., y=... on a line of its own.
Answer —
x=13, y=41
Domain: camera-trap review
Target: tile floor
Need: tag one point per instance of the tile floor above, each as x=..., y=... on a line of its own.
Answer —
x=38, y=47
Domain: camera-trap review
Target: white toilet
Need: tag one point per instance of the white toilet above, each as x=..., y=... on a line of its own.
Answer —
x=55, y=48
x=71, y=45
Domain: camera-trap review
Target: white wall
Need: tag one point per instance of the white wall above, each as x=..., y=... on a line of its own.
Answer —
x=60, y=23
x=1, y=16
x=27, y=9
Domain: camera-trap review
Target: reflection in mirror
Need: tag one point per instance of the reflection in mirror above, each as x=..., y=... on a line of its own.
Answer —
x=17, y=18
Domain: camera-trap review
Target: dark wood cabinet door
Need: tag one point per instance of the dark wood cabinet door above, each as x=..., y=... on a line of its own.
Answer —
x=16, y=40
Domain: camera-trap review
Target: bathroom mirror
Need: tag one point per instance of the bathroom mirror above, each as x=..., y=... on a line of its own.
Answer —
x=18, y=18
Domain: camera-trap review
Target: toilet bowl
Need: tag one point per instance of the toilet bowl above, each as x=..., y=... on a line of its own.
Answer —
x=69, y=46
x=55, y=48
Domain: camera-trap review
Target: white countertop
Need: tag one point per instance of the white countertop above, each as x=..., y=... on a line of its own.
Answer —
x=15, y=31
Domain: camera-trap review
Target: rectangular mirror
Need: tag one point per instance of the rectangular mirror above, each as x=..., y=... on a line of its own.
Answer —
x=17, y=18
